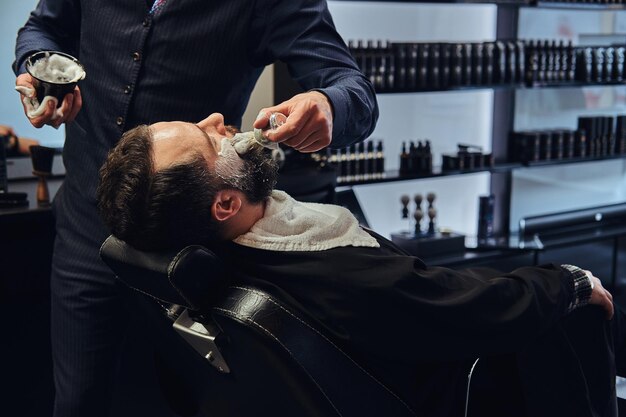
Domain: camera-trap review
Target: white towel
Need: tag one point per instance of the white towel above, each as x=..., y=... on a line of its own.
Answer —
x=290, y=225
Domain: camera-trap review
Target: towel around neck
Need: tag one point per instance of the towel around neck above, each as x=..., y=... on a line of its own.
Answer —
x=290, y=225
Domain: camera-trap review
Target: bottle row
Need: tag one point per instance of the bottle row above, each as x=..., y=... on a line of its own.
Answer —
x=364, y=161
x=596, y=137
x=397, y=67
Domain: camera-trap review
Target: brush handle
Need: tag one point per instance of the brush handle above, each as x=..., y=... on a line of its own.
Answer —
x=43, y=195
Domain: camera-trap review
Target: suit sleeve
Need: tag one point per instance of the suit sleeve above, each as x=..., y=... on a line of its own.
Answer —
x=440, y=313
x=301, y=33
x=54, y=25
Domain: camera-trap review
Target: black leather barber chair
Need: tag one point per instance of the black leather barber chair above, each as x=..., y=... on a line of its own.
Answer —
x=242, y=352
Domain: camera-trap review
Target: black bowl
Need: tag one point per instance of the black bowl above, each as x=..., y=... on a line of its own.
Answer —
x=47, y=88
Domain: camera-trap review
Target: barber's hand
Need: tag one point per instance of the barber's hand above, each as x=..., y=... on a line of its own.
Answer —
x=70, y=107
x=7, y=131
x=600, y=296
x=309, y=125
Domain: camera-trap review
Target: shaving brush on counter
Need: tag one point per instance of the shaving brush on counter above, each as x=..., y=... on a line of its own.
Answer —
x=42, y=158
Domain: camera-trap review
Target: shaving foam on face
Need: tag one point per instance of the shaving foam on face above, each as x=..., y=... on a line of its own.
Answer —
x=242, y=142
x=228, y=164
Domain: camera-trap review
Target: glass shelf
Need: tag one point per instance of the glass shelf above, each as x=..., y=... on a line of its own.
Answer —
x=536, y=85
x=394, y=176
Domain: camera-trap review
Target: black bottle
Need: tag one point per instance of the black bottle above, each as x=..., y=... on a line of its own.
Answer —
x=511, y=68
x=581, y=143
x=363, y=158
x=412, y=67
x=411, y=165
x=380, y=160
x=477, y=63
x=467, y=64
x=585, y=65
x=549, y=52
x=488, y=63
x=532, y=59
x=357, y=174
x=427, y=163
x=423, y=58
x=543, y=61
x=370, y=62
x=485, y=216
x=370, y=158
x=434, y=66
x=598, y=65
x=564, y=61
x=456, y=63
x=341, y=166
x=572, y=57
x=404, y=160
x=445, y=69
x=618, y=64
x=621, y=134
x=556, y=58
x=400, y=54
x=609, y=63
x=381, y=66
x=521, y=60
x=569, y=139
x=390, y=68
x=418, y=158
x=610, y=135
x=500, y=63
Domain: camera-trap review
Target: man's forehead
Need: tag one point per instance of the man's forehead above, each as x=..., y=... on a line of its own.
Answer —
x=167, y=130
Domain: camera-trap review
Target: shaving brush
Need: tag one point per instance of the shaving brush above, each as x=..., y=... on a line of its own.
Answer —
x=42, y=158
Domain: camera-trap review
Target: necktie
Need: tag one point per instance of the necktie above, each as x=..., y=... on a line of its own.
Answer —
x=157, y=6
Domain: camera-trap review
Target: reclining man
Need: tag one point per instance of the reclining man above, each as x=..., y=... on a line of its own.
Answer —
x=418, y=328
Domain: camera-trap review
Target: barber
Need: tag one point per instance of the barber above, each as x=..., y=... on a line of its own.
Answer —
x=148, y=61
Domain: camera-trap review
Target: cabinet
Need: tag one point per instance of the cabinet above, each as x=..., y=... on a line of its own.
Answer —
x=486, y=117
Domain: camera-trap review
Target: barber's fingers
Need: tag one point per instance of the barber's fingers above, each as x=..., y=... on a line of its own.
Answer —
x=76, y=105
x=26, y=81
x=64, y=110
x=307, y=113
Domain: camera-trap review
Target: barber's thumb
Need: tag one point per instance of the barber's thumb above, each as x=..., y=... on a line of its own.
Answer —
x=263, y=118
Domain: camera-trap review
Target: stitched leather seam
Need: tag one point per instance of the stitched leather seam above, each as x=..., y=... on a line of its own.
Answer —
x=266, y=331
x=172, y=266
x=329, y=341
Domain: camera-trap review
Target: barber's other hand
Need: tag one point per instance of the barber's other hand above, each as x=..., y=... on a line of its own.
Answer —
x=600, y=296
x=70, y=107
x=7, y=131
x=309, y=125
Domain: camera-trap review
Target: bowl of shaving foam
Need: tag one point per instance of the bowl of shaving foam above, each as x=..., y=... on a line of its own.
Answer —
x=54, y=74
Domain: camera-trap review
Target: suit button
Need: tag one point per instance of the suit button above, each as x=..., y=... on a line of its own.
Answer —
x=119, y=121
x=136, y=56
x=128, y=89
x=146, y=22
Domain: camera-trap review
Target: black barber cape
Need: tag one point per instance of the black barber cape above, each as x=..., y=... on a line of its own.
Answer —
x=417, y=328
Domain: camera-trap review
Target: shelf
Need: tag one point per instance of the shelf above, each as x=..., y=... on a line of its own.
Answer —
x=394, y=176
x=537, y=5
x=536, y=85
x=576, y=6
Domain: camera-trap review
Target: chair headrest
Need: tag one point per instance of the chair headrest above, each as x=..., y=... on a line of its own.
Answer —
x=189, y=277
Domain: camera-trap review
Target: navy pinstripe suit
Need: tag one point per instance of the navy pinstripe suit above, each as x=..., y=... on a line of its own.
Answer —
x=191, y=58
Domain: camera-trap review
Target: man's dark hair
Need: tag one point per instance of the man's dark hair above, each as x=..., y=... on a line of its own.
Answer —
x=169, y=208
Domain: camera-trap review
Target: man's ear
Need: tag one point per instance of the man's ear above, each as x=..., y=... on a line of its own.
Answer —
x=226, y=204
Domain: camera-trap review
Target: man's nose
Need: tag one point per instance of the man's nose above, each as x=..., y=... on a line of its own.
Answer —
x=215, y=122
